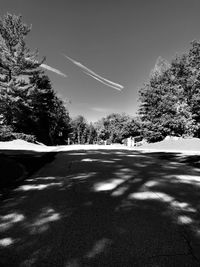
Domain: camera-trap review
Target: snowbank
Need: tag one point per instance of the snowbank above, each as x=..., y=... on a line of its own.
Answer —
x=19, y=144
x=190, y=145
x=175, y=144
x=23, y=145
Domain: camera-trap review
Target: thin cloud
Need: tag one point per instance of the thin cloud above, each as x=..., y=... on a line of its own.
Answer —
x=94, y=75
x=99, y=109
x=47, y=67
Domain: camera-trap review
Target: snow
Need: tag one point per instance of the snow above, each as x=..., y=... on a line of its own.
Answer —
x=19, y=144
x=190, y=145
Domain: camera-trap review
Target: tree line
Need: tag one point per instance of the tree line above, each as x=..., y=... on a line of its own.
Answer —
x=170, y=101
x=31, y=110
x=114, y=128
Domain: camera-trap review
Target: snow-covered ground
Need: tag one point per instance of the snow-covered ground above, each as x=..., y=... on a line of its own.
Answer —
x=190, y=145
x=23, y=145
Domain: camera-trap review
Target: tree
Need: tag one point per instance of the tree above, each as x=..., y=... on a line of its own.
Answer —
x=28, y=103
x=15, y=58
x=102, y=129
x=60, y=123
x=160, y=67
x=194, y=84
x=50, y=117
x=91, y=134
x=79, y=130
x=17, y=65
x=116, y=127
x=166, y=101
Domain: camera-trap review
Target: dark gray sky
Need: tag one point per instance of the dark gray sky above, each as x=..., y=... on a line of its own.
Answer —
x=118, y=39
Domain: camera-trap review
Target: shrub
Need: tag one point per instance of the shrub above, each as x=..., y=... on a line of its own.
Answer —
x=25, y=137
x=153, y=137
x=7, y=134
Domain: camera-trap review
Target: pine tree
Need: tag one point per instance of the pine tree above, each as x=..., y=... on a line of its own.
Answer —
x=15, y=58
x=17, y=65
x=28, y=103
x=50, y=117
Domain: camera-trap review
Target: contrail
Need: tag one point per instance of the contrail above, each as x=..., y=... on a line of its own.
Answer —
x=94, y=75
x=47, y=67
x=102, y=81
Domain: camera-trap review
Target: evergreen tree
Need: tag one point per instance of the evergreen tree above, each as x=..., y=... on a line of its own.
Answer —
x=28, y=104
x=15, y=58
x=17, y=65
x=51, y=118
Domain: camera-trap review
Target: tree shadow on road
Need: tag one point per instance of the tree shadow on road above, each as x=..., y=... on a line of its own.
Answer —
x=105, y=208
x=16, y=166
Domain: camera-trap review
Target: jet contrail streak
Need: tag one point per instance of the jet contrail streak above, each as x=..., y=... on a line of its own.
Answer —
x=81, y=66
x=94, y=75
x=47, y=67
x=105, y=80
x=100, y=80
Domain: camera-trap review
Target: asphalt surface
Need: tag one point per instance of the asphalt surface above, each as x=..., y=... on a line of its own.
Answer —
x=105, y=208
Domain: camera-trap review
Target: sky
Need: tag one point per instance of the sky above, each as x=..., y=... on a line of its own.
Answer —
x=119, y=40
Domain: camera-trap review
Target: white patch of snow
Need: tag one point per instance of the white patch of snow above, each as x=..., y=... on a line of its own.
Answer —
x=188, y=146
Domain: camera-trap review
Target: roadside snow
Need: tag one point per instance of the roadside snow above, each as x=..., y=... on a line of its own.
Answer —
x=19, y=144
x=190, y=145
x=23, y=145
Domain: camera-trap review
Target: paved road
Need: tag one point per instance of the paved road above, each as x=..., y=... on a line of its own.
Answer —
x=105, y=208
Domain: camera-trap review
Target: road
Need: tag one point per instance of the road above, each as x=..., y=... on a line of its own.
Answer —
x=105, y=208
